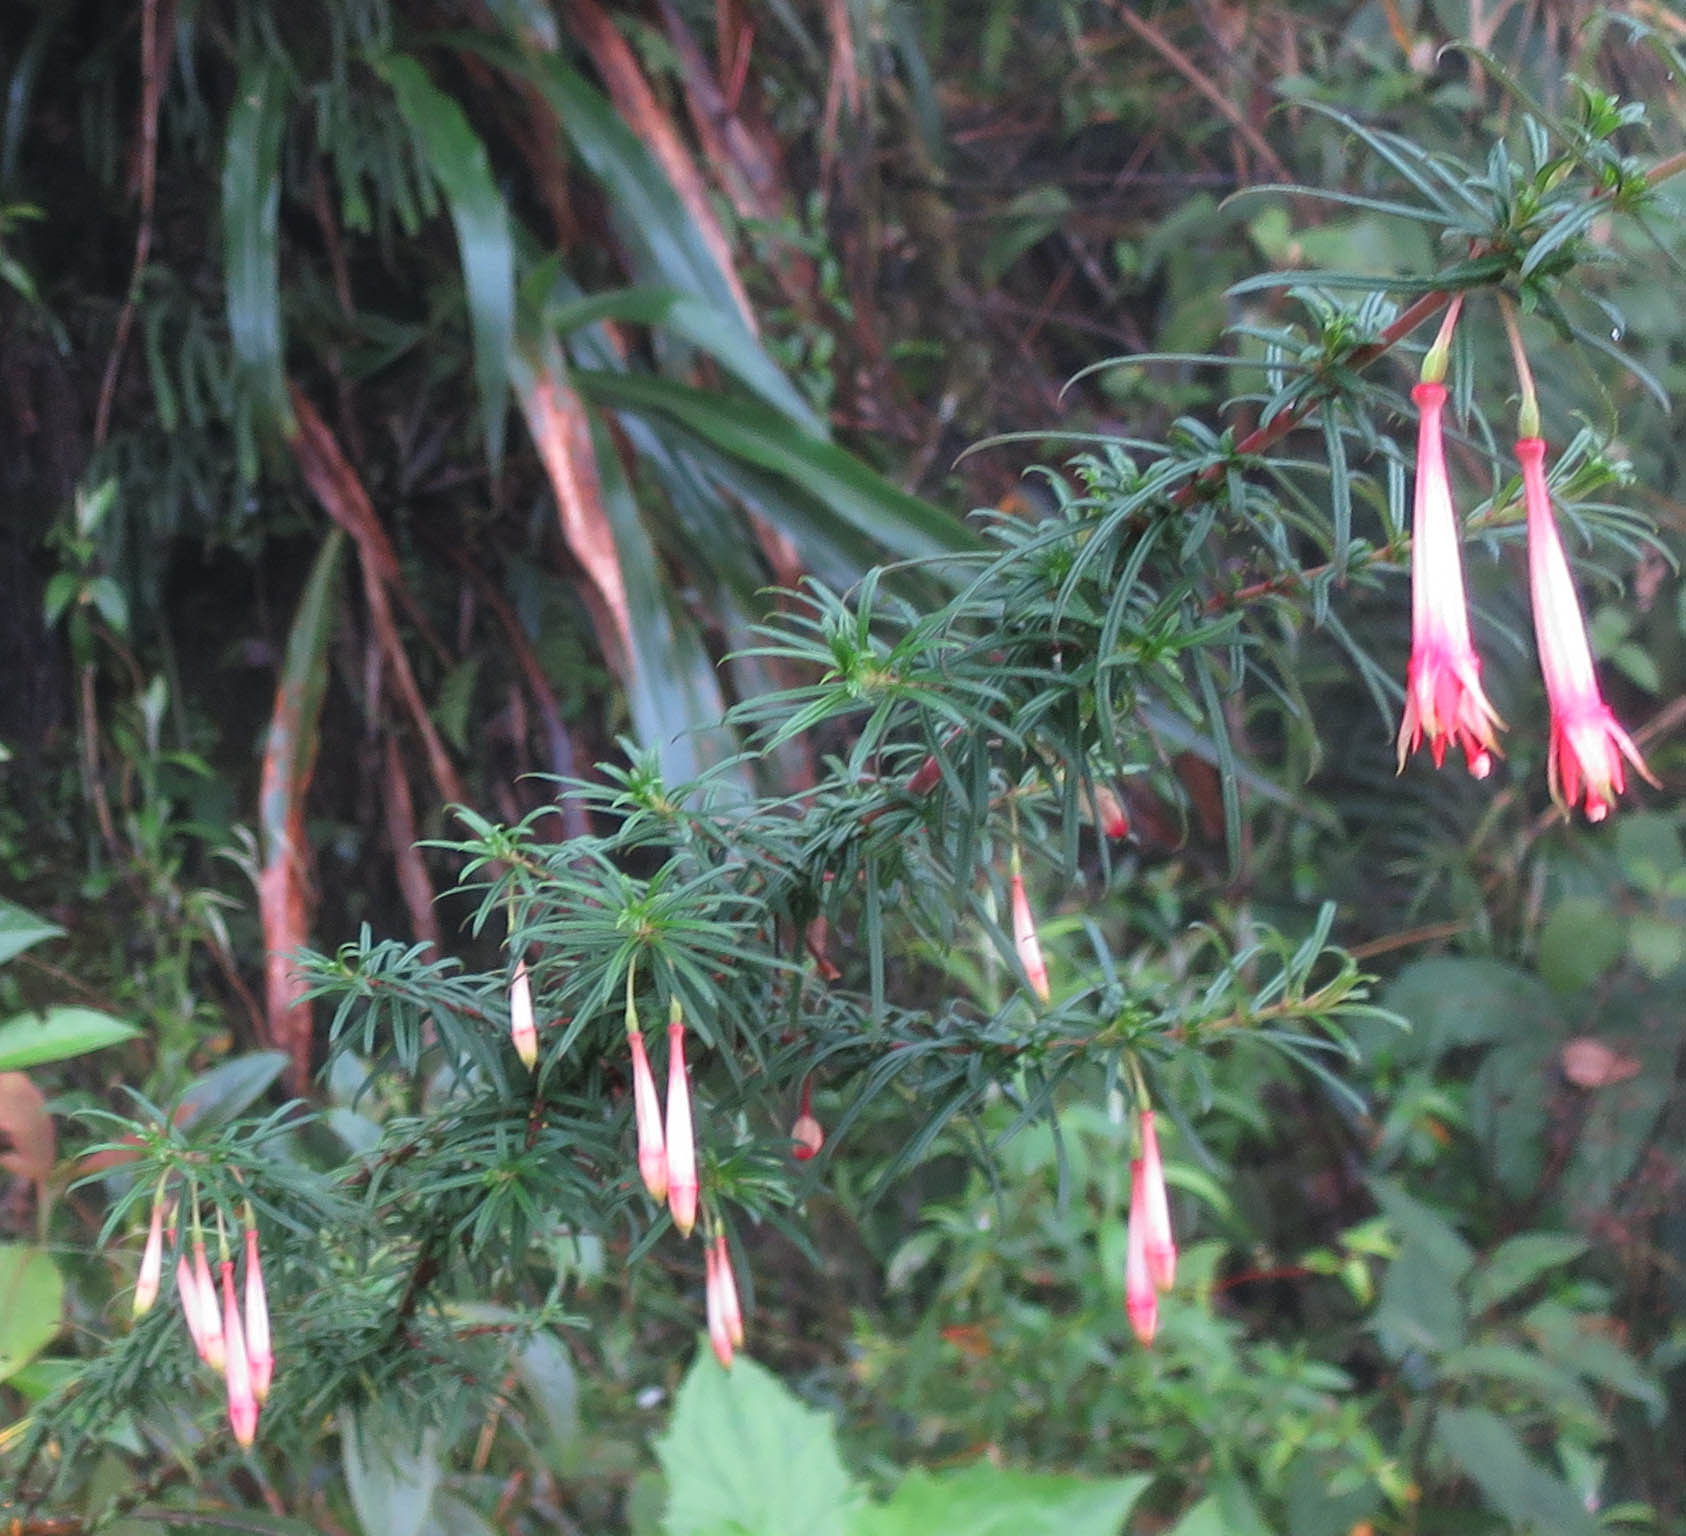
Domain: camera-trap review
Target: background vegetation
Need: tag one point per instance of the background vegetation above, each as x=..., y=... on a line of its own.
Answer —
x=410, y=411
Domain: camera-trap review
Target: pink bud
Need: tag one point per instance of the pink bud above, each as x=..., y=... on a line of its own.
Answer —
x=1161, y=1247
x=523, y=1030
x=652, y=1154
x=210, y=1342
x=1141, y=1299
x=260, y=1354
x=1025, y=940
x=719, y=1333
x=808, y=1136
x=242, y=1401
x=727, y=1280
x=1109, y=812
x=152, y=1261
x=681, y=1141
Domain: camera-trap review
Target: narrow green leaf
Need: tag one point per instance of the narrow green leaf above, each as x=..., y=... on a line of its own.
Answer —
x=29, y=1039
x=251, y=205
x=705, y=325
x=485, y=245
x=904, y=524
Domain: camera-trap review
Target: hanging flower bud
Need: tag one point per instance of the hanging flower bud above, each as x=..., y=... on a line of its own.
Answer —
x=260, y=1354
x=242, y=1400
x=1443, y=697
x=652, y=1154
x=728, y=1281
x=1141, y=1297
x=681, y=1140
x=1159, y=1243
x=1109, y=812
x=1024, y=935
x=523, y=1029
x=1587, y=745
x=210, y=1341
x=152, y=1258
x=808, y=1135
x=719, y=1334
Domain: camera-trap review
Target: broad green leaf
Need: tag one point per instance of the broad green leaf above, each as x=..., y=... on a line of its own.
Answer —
x=298, y=700
x=902, y=523
x=743, y=1454
x=390, y=1473
x=1458, y=1002
x=29, y=1039
x=251, y=205
x=31, y=1300
x=1579, y=941
x=547, y=1372
x=1520, y=1261
x=485, y=245
x=1518, y=1487
x=19, y=929
x=229, y=1089
x=986, y=1500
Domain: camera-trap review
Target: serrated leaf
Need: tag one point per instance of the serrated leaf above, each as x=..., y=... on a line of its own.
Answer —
x=986, y=1500
x=28, y=1039
x=1518, y=1487
x=1518, y=1262
x=744, y=1454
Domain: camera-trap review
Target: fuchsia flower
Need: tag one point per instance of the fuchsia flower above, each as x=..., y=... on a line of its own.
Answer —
x=652, y=1151
x=1587, y=746
x=1443, y=697
x=237, y=1370
x=1141, y=1295
x=260, y=1353
x=808, y=1135
x=1024, y=936
x=1158, y=1242
x=152, y=1259
x=208, y=1337
x=523, y=1028
x=719, y=1334
x=681, y=1141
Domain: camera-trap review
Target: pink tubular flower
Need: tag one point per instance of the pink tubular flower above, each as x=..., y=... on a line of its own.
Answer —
x=681, y=1140
x=808, y=1135
x=652, y=1152
x=727, y=1281
x=242, y=1400
x=1443, y=697
x=1141, y=1296
x=1159, y=1245
x=152, y=1259
x=523, y=1028
x=210, y=1338
x=1587, y=746
x=1025, y=940
x=260, y=1353
x=719, y=1334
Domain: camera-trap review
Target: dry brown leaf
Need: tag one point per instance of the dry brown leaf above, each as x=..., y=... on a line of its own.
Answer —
x=28, y=1146
x=556, y=417
x=1590, y=1063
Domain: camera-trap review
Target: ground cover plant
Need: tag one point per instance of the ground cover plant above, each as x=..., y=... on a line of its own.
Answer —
x=705, y=991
